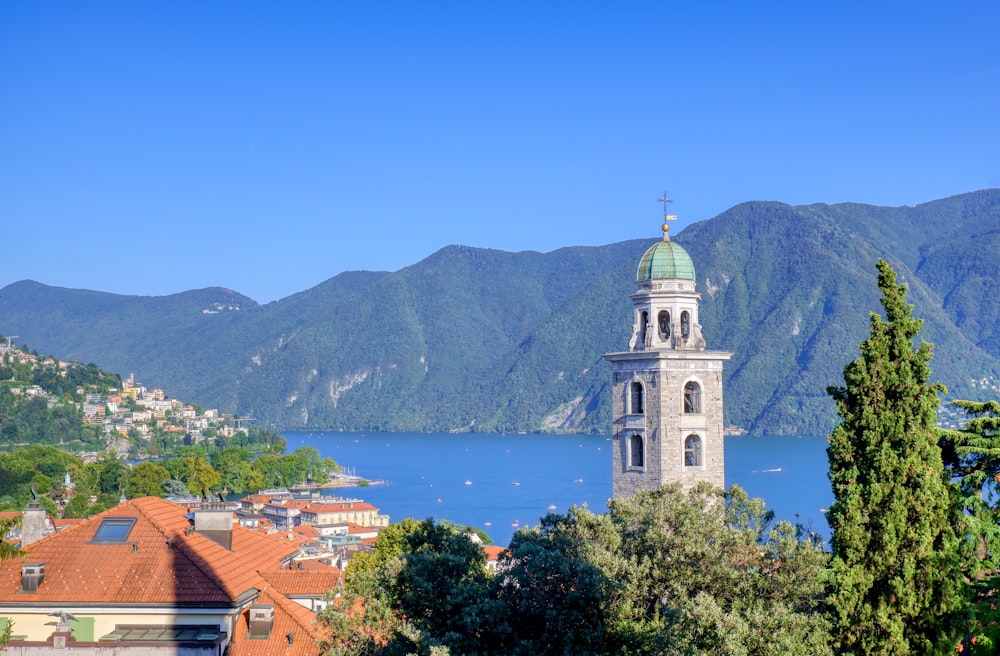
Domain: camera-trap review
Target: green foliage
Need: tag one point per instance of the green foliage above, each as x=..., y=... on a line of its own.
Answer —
x=896, y=584
x=418, y=592
x=52, y=418
x=113, y=475
x=549, y=592
x=362, y=621
x=201, y=477
x=174, y=488
x=146, y=480
x=439, y=584
x=391, y=543
x=663, y=573
x=972, y=459
x=8, y=550
x=45, y=466
x=706, y=572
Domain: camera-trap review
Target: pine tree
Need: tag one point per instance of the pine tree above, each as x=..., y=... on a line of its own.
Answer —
x=896, y=581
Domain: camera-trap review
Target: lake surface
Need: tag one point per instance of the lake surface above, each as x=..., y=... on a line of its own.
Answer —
x=495, y=482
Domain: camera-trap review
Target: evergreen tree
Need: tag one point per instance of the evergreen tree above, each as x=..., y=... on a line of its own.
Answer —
x=896, y=580
x=972, y=459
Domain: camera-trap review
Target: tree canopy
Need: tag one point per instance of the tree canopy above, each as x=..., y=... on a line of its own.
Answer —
x=665, y=572
x=897, y=585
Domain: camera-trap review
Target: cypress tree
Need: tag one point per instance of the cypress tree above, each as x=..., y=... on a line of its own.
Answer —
x=896, y=585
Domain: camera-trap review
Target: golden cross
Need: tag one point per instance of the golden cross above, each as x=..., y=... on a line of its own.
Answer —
x=665, y=201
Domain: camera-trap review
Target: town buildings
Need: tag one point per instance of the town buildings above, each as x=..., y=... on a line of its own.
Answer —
x=285, y=510
x=149, y=577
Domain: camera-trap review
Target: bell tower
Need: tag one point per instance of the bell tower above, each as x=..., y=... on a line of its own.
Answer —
x=666, y=410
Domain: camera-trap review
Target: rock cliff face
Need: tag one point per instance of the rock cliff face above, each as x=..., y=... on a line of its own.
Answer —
x=477, y=339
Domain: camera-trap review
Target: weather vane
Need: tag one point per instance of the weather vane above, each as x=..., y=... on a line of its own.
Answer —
x=666, y=217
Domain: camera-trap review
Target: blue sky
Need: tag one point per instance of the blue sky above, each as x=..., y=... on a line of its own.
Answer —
x=150, y=148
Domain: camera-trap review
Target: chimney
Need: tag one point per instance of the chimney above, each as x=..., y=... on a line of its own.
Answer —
x=261, y=621
x=34, y=522
x=215, y=522
x=32, y=575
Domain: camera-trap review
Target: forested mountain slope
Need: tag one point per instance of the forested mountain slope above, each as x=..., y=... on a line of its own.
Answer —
x=478, y=339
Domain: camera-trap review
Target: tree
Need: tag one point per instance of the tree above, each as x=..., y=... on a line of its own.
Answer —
x=113, y=475
x=972, y=458
x=421, y=592
x=549, y=592
x=7, y=549
x=315, y=467
x=203, y=478
x=896, y=585
x=269, y=469
x=76, y=507
x=233, y=465
x=362, y=622
x=175, y=488
x=391, y=543
x=146, y=480
x=705, y=572
x=440, y=584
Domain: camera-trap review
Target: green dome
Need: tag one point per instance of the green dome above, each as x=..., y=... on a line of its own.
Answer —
x=663, y=260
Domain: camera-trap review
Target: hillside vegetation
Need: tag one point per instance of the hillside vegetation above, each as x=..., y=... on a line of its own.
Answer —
x=486, y=340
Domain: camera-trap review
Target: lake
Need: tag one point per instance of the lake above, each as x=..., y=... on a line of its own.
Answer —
x=501, y=482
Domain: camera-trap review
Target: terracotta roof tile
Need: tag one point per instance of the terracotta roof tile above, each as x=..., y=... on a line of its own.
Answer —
x=302, y=581
x=163, y=561
x=160, y=561
x=493, y=552
x=290, y=618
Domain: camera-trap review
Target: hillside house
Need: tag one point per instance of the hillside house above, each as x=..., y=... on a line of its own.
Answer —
x=148, y=577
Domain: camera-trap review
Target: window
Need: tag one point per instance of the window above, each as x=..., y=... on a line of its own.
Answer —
x=692, y=398
x=663, y=320
x=643, y=319
x=635, y=399
x=692, y=451
x=636, y=456
x=114, y=529
x=685, y=325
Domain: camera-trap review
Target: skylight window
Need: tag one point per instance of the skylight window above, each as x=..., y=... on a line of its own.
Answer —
x=114, y=529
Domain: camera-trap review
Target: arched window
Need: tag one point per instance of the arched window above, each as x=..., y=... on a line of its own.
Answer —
x=663, y=321
x=635, y=398
x=635, y=450
x=643, y=320
x=692, y=451
x=685, y=325
x=692, y=398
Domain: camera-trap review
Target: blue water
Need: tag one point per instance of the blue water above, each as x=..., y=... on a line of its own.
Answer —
x=494, y=481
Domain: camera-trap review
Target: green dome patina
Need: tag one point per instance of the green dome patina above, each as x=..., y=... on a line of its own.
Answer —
x=663, y=260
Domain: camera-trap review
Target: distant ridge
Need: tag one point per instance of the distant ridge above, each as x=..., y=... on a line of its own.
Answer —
x=487, y=340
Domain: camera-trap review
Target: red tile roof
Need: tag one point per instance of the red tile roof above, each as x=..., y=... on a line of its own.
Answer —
x=163, y=561
x=301, y=582
x=160, y=561
x=312, y=563
x=290, y=619
x=493, y=552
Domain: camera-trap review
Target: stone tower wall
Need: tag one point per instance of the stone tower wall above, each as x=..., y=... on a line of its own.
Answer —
x=664, y=426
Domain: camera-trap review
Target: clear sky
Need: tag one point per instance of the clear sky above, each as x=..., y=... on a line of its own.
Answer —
x=154, y=147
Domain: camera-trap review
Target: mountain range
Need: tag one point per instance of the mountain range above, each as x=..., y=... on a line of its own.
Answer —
x=473, y=339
